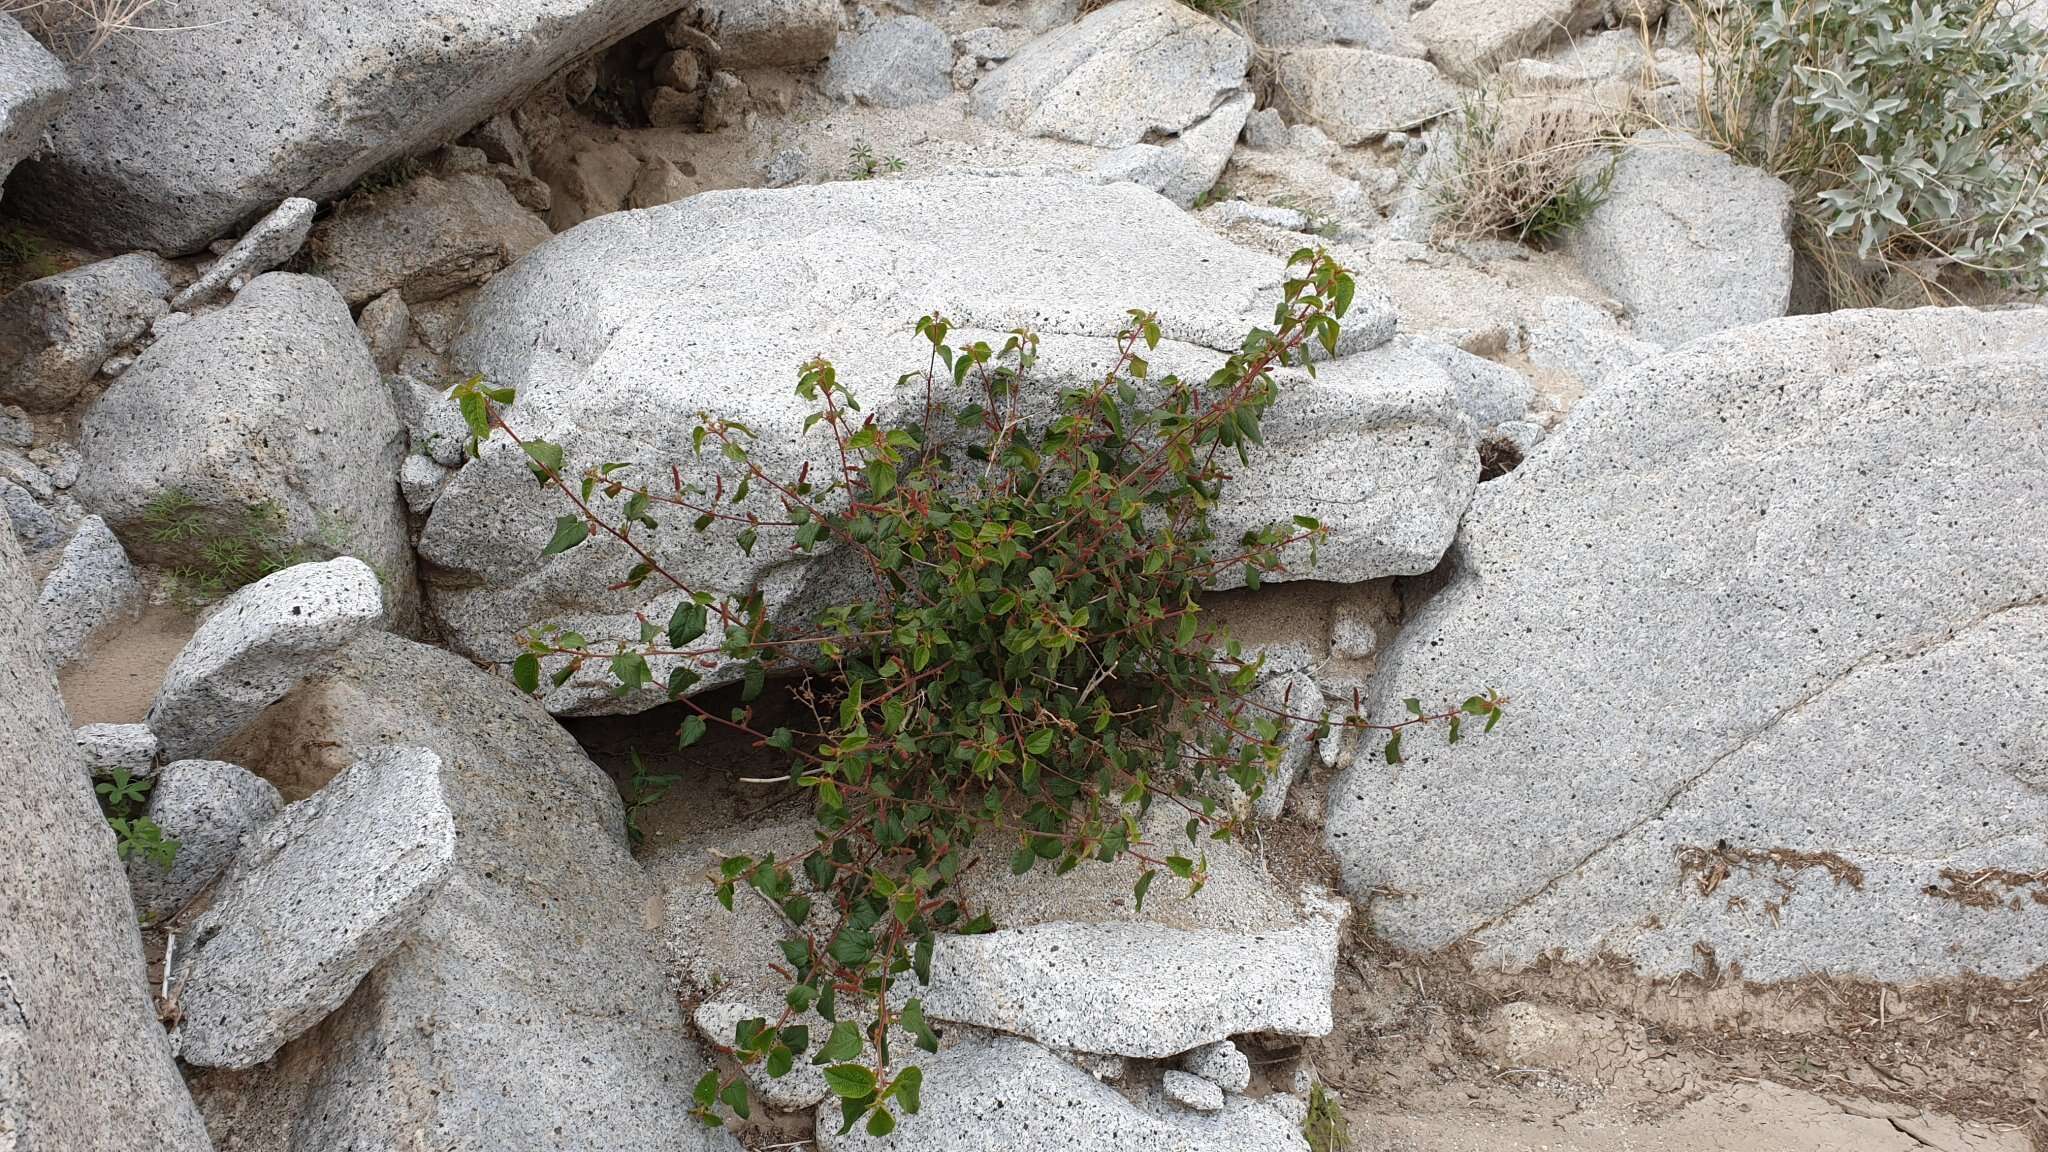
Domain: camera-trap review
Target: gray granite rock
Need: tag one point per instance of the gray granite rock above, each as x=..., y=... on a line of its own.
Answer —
x=92, y=589
x=762, y=33
x=266, y=422
x=1223, y=1064
x=33, y=86
x=1811, y=541
x=1491, y=393
x=900, y=62
x=1125, y=72
x=386, y=325
x=420, y=479
x=56, y=332
x=1355, y=94
x=529, y=995
x=1005, y=1093
x=1690, y=240
x=1354, y=23
x=169, y=141
x=1378, y=449
x=35, y=526
x=1071, y=985
x=426, y=238
x=263, y=640
x=1191, y=1091
x=132, y=748
x=1469, y=39
x=619, y=298
x=207, y=806
x=1583, y=342
x=268, y=243
x=81, y=1053
x=433, y=422
x=316, y=899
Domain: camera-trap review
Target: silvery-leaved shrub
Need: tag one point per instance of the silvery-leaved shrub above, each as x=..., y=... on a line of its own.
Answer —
x=1025, y=672
x=1911, y=131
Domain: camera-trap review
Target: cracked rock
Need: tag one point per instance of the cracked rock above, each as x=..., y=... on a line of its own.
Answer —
x=1811, y=541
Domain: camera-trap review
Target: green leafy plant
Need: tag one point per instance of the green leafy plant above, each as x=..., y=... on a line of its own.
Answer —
x=865, y=164
x=644, y=791
x=1523, y=166
x=1325, y=1129
x=122, y=797
x=219, y=558
x=1913, y=134
x=1027, y=674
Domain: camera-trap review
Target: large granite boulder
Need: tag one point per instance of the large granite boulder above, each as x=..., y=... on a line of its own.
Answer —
x=199, y=123
x=81, y=1053
x=527, y=1007
x=617, y=336
x=1772, y=612
x=1691, y=241
x=262, y=425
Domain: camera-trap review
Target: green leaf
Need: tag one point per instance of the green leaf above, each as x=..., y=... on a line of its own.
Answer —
x=569, y=532
x=706, y=1091
x=686, y=623
x=735, y=1097
x=881, y=1123
x=780, y=1061
x=691, y=731
x=850, y=1081
x=547, y=458
x=1180, y=866
x=1394, y=748
x=908, y=1087
x=1143, y=886
x=842, y=1045
x=526, y=673
x=476, y=413
x=1038, y=742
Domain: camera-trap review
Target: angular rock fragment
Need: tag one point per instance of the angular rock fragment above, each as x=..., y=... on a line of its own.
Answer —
x=530, y=994
x=55, y=333
x=263, y=640
x=104, y=747
x=318, y=898
x=1222, y=1064
x=93, y=588
x=272, y=241
x=171, y=139
x=1357, y=95
x=1002, y=1092
x=424, y=239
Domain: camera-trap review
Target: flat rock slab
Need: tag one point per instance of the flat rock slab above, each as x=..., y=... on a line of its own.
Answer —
x=92, y=589
x=263, y=640
x=320, y=897
x=599, y=331
x=1769, y=611
x=1002, y=1093
x=1136, y=989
